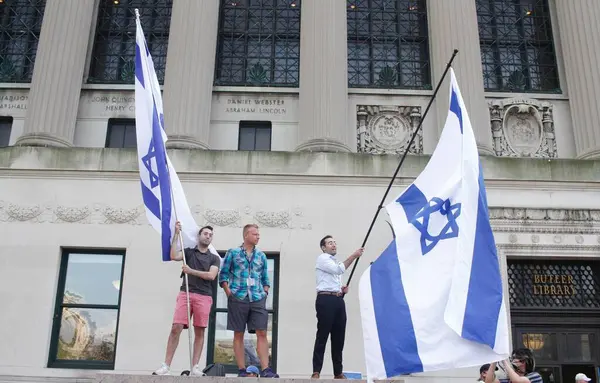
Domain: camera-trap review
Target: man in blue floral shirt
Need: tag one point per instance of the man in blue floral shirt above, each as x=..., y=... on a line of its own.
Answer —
x=244, y=278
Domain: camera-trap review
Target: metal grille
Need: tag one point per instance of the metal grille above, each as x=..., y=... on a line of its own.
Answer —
x=517, y=49
x=20, y=25
x=545, y=284
x=259, y=43
x=113, y=58
x=388, y=44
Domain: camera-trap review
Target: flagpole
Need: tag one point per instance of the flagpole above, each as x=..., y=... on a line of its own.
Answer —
x=412, y=139
x=181, y=245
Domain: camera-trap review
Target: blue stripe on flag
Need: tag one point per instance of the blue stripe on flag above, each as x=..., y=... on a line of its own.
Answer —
x=165, y=184
x=139, y=72
x=455, y=108
x=484, y=297
x=150, y=201
x=392, y=314
x=412, y=201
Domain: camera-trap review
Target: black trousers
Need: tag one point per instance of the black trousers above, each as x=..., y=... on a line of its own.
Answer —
x=331, y=319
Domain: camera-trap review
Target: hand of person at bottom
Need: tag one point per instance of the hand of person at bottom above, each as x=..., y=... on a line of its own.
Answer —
x=186, y=269
x=345, y=289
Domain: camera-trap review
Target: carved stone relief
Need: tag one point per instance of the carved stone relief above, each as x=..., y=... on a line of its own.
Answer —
x=104, y=214
x=523, y=128
x=387, y=129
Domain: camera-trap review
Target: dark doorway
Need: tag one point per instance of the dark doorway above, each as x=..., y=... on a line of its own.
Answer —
x=570, y=370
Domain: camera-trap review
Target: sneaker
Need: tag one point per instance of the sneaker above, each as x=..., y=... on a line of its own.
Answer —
x=315, y=375
x=242, y=373
x=268, y=373
x=163, y=370
x=197, y=371
x=340, y=376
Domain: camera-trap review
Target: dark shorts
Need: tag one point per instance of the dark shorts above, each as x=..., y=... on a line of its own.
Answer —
x=243, y=312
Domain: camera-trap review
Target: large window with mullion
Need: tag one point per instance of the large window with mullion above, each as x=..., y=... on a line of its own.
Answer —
x=220, y=340
x=86, y=316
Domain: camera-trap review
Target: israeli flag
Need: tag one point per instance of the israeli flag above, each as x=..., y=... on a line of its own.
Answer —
x=162, y=192
x=433, y=300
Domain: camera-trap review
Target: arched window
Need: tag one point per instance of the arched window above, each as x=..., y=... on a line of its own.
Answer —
x=388, y=44
x=259, y=43
x=113, y=58
x=517, y=49
x=20, y=25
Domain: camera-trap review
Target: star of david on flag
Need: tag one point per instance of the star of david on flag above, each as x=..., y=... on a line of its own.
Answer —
x=162, y=193
x=433, y=300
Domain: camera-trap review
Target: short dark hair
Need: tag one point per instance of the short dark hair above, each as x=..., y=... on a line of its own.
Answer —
x=323, y=240
x=203, y=228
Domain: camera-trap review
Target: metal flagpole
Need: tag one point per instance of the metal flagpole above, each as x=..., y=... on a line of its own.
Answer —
x=412, y=139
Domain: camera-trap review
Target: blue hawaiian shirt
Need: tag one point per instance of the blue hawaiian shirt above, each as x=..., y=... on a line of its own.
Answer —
x=238, y=267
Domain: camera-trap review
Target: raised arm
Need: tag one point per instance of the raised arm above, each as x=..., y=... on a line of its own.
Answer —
x=176, y=255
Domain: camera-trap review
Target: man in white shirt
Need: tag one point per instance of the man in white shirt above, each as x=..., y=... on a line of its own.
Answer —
x=331, y=310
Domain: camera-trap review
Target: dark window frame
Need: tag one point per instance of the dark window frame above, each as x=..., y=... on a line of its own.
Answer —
x=387, y=72
x=26, y=33
x=254, y=67
x=256, y=125
x=6, y=121
x=112, y=122
x=532, y=77
x=53, y=361
x=210, y=344
x=115, y=25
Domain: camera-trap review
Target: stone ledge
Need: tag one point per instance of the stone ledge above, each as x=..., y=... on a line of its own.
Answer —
x=287, y=163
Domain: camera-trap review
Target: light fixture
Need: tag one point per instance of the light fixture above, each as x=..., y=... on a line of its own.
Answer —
x=234, y=3
x=116, y=2
x=293, y=4
x=528, y=12
x=412, y=8
x=352, y=6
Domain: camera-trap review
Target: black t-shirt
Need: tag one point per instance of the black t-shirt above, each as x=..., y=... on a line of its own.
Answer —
x=201, y=262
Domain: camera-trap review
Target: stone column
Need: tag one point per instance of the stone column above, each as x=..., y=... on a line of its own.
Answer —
x=453, y=25
x=58, y=73
x=580, y=41
x=190, y=72
x=323, y=77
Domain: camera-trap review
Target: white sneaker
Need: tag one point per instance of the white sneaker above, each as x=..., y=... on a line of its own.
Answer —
x=163, y=370
x=197, y=371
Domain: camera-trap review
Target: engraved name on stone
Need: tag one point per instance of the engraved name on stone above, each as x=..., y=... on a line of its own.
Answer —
x=114, y=103
x=259, y=106
x=10, y=102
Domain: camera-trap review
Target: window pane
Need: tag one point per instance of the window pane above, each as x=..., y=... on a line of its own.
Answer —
x=549, y=374
x=93, y=279
x=258, y=43
x=224, y=343
x=543, y=345
x=579, y=347
x=114, y=45
x=263, y=139
x=116, y=134
x=388, y=44
x=130, y=140
x=87, y=334
x=20, y=25
x=247, y=139
x=5, y=129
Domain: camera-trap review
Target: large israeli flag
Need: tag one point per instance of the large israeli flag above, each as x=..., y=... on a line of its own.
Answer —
x=433, y=300
x=162, y=192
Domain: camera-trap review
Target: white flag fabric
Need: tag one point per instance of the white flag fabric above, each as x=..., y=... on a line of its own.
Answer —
x=163, y=195
x=433, y=300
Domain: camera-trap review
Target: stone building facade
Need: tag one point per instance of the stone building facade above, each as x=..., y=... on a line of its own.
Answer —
x=290, y=114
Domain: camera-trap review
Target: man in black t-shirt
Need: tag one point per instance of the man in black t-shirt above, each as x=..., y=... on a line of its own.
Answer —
x=202, y=267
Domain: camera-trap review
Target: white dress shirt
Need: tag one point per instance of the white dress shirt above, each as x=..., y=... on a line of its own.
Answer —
x=329, y=273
